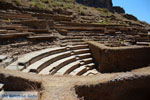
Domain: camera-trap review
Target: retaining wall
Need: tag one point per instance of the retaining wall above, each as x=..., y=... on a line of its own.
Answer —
x=115, y=59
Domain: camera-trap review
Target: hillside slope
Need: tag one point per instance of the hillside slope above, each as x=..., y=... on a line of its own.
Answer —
x=105, y=14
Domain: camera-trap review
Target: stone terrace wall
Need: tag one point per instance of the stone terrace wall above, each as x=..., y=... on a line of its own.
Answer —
x=115, y=59
x=131, y=88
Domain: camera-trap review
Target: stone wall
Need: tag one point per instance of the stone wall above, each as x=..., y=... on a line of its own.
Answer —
x=115, y=59
x=124, y=89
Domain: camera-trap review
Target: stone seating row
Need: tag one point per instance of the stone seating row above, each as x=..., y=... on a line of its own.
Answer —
x=48, y=60
x=4, y=31
x=56, y=61
x=16, y=16
x=14, y=35
x=68, y=64
x=54, y=17
x=41, y=37
x=13, y=26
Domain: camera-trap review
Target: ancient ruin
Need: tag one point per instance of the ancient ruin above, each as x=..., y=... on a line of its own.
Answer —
x=64, y=55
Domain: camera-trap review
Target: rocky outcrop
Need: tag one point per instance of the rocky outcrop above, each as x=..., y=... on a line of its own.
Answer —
x=102, y=4
x=97, y=3
x=130, y=17
x=118, y=9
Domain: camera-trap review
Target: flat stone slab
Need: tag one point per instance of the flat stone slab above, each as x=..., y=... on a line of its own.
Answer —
x=33, y=55
x=14, y=35
x=39, y=64
x=54, y=67
x=1, y=86
x=41, y=37
x=68, y=68
x=2, y=57
x=143, y=43
x=15, y=67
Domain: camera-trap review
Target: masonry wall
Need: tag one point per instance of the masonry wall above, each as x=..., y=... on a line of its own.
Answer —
x=125, y=89
x=115, y=59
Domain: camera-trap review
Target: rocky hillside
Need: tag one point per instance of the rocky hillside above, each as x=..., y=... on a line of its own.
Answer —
x=83, y=10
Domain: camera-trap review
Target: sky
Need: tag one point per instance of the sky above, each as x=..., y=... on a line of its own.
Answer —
x=138, y=8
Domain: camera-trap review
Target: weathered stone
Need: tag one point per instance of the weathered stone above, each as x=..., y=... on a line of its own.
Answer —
x=1, y=86
x=97, y=3
x=2, y=57
x=118, y=9
x=130, y=17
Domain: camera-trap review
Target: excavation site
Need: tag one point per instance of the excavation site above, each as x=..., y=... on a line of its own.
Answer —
x=72, y=50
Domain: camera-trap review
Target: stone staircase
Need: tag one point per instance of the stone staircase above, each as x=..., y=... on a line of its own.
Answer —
x=72, y=60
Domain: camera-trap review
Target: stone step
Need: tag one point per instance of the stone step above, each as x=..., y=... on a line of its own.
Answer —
x=83, y=37
x=81, y=51
x=13, y=26
x=14, y=35
x=30, y=58
x=88, y=67
x=143, y=39
x=86, y=34
x=6, y=62
x=39, y=30
x=82, y=69
x=41, y=37
x=79, y=40
x=75, y=47
x=14, y=66
x=68, y=23
x=3, y=31
x=2, y=92
x=68, y=68
x=1, y=86
x=72, y=40
x=62, y=60
x=87, y=60
x=91, y=72
x=55, y=66
x=72, y=43
x=83, y=56
x=78, y=70
x=15, y=16
x=54, y=17
x=38, y=24
x=3, y=57
x=80, y=28
x=143, y=43
x=72, y=37
x=43, y=63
